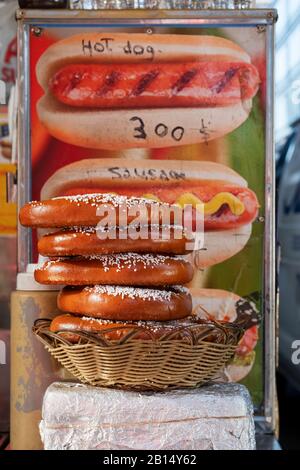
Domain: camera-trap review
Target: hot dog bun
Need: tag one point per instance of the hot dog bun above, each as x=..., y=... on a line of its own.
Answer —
x=238, y=368
x=91, y=174
x=93, y=128
x=167, y=47
x=216, y=304
x=148, y=127
x=222, y=245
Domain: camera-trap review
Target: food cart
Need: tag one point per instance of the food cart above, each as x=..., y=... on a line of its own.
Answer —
x=61, y=140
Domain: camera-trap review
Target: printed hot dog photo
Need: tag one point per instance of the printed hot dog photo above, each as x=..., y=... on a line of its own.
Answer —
x=223, y=306
x=128, y=91
x=163, y=119
x=230, y=207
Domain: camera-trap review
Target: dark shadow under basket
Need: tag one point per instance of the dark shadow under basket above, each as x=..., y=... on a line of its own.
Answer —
x=186, y=357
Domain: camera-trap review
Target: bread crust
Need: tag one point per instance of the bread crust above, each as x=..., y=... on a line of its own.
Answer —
x=126, y=304
x=98, y=172
x=68, y=325
x=139, y=128
x=86, y=242
x=128, y=269
x=82, y=211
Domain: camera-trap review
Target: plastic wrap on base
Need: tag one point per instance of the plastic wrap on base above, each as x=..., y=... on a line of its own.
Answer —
x=215, y=417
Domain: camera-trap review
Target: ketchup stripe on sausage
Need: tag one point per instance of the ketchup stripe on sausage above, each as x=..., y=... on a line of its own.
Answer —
x=197, y=84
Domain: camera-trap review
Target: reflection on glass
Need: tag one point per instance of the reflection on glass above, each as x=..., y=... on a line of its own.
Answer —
x=161, y=4
x=294, y=55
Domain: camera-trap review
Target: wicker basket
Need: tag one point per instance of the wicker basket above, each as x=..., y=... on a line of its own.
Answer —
x=185, y=357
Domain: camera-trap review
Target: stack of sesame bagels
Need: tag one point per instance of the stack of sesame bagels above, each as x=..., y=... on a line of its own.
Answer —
x=111, y=281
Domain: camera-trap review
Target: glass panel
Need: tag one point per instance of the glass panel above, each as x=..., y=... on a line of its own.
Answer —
x=125, y=4
x=282, y=24
x=282, y=64
x=281, y=113
x=293, y=47
x=294, y=8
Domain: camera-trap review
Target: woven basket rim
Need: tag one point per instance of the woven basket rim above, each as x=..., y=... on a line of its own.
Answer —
x=230, y=333
x=144, y=364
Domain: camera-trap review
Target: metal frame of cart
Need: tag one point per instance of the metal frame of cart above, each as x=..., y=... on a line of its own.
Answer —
x=263, y=19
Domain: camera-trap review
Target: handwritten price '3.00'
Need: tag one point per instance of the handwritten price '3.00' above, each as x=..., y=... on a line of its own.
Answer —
x=162, y=130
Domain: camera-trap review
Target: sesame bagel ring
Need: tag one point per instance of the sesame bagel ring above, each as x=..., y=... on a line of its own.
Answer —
x=126, y=303
x=130, y=269
x=89, y=209
x=88, y=241
x=70, y=326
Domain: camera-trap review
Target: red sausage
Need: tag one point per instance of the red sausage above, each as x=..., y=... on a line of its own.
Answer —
x=198, y=84
x=223, y=219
